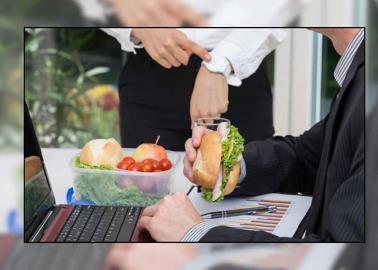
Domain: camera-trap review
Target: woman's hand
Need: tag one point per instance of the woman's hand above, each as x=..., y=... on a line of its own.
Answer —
x=139, y=13
x=169, y=47
x=210, y=95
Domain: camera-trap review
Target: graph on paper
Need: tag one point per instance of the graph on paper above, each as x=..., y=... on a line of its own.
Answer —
x=283, y=222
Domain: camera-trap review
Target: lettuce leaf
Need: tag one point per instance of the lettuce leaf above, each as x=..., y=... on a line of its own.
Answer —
x=102, y=188
x=232, y=147
x=78, y=164
x=207, y=194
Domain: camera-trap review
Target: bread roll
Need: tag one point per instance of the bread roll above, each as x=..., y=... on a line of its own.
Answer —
x=207, y=164
x=233, y=179
x=208, y=161
x=101, y=152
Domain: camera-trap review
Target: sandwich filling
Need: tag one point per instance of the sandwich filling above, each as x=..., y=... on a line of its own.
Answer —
x=232, y=147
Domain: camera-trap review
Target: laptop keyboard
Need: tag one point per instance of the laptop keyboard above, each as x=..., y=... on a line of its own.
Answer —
x=99, y=224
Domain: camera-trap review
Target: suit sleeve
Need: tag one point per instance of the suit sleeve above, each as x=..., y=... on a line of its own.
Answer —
x=283, y=164
x=345, y=226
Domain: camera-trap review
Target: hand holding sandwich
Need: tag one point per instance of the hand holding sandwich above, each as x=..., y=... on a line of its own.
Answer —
x=212, y=160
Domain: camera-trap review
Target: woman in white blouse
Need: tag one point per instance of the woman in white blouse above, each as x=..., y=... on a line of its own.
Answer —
x=164, y=86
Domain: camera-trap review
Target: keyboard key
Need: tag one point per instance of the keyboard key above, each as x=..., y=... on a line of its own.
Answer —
x=69, y=223
x=80, y=222
x=104, y=224
x=91, y=225
x=128, y=225
x=115, y=225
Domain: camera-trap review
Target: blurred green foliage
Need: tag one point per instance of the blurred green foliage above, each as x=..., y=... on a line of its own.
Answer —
x=64, y=90
x=11, y=85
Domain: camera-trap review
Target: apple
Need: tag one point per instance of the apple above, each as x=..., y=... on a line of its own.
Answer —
x=149, y=150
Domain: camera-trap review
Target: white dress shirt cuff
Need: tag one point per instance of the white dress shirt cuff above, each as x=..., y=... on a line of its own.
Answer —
x=231, y=53
x=220, y=64
x=198, y=231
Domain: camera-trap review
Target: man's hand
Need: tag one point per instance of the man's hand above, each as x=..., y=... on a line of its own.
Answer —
x=210, y=95
x=139, y=256
x=139, y=13
x=169, y=219
x=191, y=147
x=169, y=47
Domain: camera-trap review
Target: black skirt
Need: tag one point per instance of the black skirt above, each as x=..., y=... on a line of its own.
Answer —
x=155, y=101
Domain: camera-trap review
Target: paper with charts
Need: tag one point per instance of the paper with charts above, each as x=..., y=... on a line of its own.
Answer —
x=284, y=222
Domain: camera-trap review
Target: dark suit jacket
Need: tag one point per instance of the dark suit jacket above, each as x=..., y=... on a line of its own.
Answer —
x=364, y=256
x=326, y=162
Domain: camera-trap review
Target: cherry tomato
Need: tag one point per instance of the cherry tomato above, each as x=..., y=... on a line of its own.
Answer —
x=165, y=164
x=155, y=165
x=147, y=167
x=126, y=163
x=157, y=170
x=137, y=167
x=122, y=166
x=128, y=160
x=148, y=160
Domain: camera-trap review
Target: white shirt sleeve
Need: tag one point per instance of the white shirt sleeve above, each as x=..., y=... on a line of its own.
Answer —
x=244, y=49
x=123, y=36
x=94, y=10
x=256, y=13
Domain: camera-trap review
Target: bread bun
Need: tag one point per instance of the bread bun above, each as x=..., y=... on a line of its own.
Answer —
x=208, y=161
x=101, y=152
x=233, y=179
x=33, y=165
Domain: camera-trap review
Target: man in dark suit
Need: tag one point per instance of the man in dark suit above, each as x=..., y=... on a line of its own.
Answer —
x=326, y=162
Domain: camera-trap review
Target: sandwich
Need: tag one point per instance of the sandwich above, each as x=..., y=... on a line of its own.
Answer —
x=101, y=153
x=217, y=166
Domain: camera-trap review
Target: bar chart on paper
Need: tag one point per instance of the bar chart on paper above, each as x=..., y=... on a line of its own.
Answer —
x=290, y=210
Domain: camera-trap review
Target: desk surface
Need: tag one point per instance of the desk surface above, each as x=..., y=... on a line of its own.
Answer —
x=61, y=178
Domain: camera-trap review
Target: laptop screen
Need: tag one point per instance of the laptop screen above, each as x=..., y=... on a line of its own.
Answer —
x=38, y=196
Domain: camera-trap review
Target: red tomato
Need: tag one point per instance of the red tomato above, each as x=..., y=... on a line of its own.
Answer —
x=148, y=160
x=122, y=166
x=128, y=160
x=157, y=170
x=147, y=167
x=126, y=163
x=155, y=165
x=165, y=164
x=137, y=167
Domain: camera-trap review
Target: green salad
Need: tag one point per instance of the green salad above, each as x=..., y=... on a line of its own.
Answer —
x=102, y=189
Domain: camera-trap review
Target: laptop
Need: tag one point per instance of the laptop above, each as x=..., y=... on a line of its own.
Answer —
x=44, y=221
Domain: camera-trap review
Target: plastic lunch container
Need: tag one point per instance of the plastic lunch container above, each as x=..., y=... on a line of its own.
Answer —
x=122, y=187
